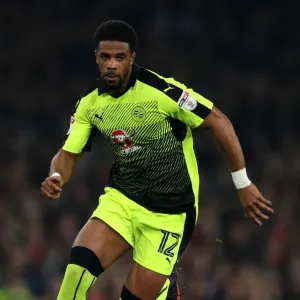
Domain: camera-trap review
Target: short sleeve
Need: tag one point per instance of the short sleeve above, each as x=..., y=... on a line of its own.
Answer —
x=81, y=131
x=182, y=103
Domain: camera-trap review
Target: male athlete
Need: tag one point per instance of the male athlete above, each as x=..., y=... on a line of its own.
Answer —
x=151, y=202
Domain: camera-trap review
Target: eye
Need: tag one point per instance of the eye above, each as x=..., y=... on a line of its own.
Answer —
x=121, y=57
x=104, y=56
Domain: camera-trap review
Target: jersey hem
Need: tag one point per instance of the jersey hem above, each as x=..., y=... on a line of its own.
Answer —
x=170, y=210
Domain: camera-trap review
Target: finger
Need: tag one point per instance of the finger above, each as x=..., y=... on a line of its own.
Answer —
x=265, y=201
x=56, y=196
x=54, y=179
x=47, y=193
x=46, y=186
x=54, y=186
x=254, y=218
x=258, y=213
x=263, y=206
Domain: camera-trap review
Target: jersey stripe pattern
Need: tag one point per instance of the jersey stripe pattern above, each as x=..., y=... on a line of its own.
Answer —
x=146, y=129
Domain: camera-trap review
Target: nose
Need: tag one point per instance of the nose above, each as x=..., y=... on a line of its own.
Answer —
x=112, y=64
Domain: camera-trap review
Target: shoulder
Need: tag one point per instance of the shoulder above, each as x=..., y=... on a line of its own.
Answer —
x=86, y=96
x=90, y=93
x=152, y=79
x=168, y=85
x=91, y=90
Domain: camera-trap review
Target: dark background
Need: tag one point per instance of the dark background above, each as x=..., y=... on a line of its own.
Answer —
x=243, y=55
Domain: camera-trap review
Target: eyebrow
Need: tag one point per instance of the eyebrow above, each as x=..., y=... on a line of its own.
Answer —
x=121, y=53
x=117, y=54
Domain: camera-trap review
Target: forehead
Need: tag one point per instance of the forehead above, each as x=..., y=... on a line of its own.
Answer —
x=113, y=46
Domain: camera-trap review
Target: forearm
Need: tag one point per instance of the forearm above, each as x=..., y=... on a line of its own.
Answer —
x=226, y=138
x=229, y=144
x=63, y=163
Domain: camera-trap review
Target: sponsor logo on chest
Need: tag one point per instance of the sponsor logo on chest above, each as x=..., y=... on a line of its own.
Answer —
x=121, y=138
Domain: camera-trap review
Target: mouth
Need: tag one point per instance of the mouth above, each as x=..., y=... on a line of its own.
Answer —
x=111, y=76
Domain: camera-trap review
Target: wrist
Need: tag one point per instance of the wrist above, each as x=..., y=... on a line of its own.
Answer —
x=240, y=179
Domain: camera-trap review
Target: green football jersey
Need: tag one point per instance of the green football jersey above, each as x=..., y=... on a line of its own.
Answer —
x=149, y=129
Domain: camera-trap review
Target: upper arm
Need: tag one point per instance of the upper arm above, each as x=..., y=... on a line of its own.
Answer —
x=81, y=131
x=184, y=104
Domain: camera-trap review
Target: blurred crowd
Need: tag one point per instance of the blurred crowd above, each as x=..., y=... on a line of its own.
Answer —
x=243, y=55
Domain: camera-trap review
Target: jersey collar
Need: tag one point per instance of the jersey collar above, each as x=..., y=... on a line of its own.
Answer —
x=131, y=82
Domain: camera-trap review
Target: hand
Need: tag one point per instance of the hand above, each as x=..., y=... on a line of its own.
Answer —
x=254, y=204
x=51, y=187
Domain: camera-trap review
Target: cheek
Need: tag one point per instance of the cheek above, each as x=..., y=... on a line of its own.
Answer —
x=128, y=64
x=101, y=66
x=123, y=69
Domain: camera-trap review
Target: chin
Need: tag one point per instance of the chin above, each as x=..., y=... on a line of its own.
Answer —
x=110, y=84
x=113, y=85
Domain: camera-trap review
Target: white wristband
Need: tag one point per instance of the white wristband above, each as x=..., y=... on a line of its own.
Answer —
x=240, y=179
x=55, y=174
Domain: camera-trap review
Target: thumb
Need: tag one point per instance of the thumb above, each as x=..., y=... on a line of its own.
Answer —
x=56, y=177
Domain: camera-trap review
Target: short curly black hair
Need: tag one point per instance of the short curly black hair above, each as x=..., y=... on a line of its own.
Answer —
x=116, y=30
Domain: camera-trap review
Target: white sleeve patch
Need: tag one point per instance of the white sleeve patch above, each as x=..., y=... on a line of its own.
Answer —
x=72, y=120
x=187, y=102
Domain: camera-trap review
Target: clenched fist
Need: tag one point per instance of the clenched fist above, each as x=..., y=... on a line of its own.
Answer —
x=51, y=187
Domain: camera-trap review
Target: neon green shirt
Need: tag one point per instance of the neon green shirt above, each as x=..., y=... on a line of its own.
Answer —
x=149, y=129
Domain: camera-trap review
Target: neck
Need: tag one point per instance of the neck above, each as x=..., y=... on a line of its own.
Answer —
x=124, y=86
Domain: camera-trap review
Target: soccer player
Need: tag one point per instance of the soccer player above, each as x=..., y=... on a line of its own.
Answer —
x=151, y=202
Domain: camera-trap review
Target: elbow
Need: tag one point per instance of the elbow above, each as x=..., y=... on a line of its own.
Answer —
x=66, y=156
x=216, y=119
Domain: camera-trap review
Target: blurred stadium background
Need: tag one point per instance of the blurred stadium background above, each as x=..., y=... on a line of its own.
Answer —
x=244, y=55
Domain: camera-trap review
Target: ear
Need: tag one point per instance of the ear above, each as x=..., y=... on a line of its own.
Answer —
x=133, y=56
x=96, y=56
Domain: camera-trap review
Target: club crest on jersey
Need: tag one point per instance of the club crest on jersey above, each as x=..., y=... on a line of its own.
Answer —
x=121, y=138
x=72, y=120
x=187, y=102
x=138, y=114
